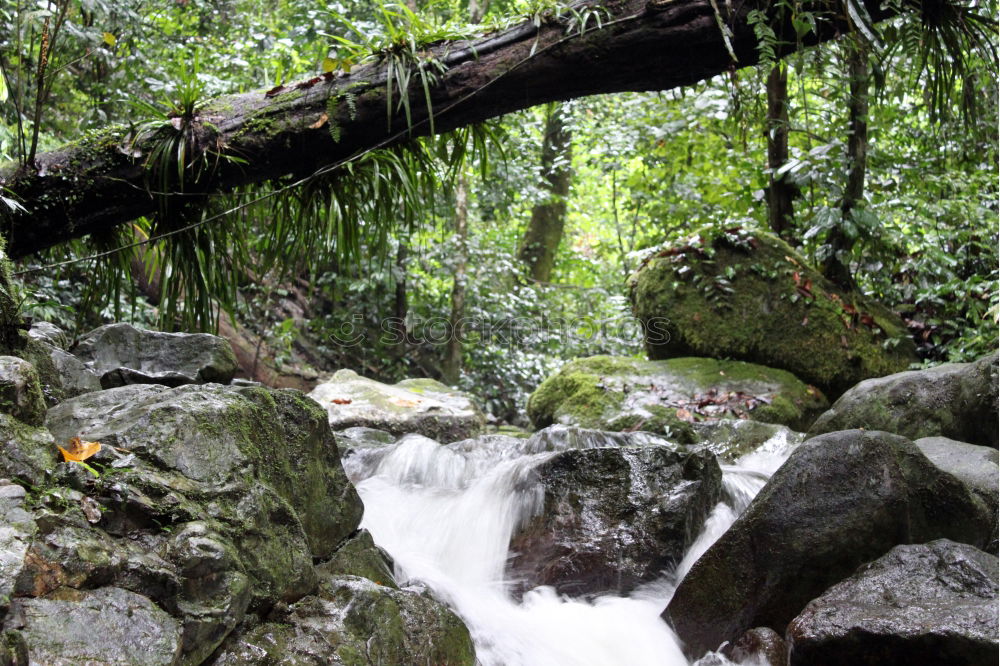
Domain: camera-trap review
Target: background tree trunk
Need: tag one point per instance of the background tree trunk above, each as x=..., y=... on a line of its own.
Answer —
x=780, y=193
x=451, y=366
x=548, y=217
x=842, y=237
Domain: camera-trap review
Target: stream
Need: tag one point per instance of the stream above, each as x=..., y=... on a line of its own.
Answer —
x=446, y=514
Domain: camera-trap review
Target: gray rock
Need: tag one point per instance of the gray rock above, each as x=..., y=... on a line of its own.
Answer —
x=955, y=400
x=359, y=556
x=26, y=452
x=841, y=500
x=622, y=393
x=732, y=438
x=759, y=646
x=123, y=354
x=353, y=620
x=259, y=466
x=17, y=529
x=976, y=466
x=108, y=626
x=613, y=518
x=352, y=439
x=74, y=376
x=422, y=406
x=50, y=334
x=934, y=603
x=20, y=392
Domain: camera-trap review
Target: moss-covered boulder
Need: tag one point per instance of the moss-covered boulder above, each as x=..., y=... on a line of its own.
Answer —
x=259, y=465
x=748, y=295
x=423, y=406
x=954, y=400
x=620, y=393
x=20, y=393
x=352, y=620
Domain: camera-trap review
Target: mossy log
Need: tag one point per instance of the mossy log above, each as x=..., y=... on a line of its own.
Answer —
x=92, y=185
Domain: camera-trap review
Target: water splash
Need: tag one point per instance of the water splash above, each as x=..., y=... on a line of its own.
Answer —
x=446, y=515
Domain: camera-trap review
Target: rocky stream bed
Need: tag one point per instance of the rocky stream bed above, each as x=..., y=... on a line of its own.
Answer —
x=665, y=512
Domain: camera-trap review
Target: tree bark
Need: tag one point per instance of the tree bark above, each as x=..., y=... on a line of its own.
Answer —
x=836, y=266
x=548, y=217
x=451, y=365
x=99, y=182
x=781, y=194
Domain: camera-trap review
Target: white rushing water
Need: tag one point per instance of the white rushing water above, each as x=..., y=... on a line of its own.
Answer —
x=446, y=514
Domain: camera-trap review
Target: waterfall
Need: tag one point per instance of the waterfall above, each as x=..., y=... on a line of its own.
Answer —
x=446, y=514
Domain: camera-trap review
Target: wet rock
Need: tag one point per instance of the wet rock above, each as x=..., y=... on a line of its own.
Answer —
x=20, y=393
x=621, y=393
x=123, y=354
x=732, y=438
x=108, y=626
x=260, y=467
x=17, y=528
x=748, y=295
x=422, y=406
x=610, y=519
x=26, y=452
x=759, y=647
x=359, y=556
x=215, y=592
x=75, y=378
x=353, y=439
x=933, y=603
x=50, y=334
x=841, y=500
x=976, y=466
x=356, y=621
x=955, y=400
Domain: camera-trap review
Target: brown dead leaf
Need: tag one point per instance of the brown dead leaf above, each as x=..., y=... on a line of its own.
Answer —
x=341, y=401
x=685, y=415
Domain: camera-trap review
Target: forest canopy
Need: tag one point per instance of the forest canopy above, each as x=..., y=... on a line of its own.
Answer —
x=419, y=191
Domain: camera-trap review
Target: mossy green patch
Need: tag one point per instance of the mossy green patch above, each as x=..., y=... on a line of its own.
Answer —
x=620, y=393
x=748, y=295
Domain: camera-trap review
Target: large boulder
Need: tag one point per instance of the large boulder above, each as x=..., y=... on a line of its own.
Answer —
x=122, y=354
x=260, y=463
x=354, y=620
x=955, y=400
x=841, y=500
x=17, y=529
x=20, y=393
x=108, y=626
x=422, y=406
x=612, y=518
x=933, y=603
x=748, y=295
x=621, y=393
x=212, y=501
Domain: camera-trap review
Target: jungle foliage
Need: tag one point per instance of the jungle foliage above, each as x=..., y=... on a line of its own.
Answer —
x=375, y=237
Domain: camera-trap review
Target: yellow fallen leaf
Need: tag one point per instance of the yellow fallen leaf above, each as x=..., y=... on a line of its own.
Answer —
x=79, y=451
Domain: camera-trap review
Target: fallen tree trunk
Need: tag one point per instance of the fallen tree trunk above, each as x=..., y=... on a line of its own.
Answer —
x=103, y=181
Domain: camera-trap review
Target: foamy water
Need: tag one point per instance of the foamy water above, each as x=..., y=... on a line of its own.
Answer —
x=446, y=515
